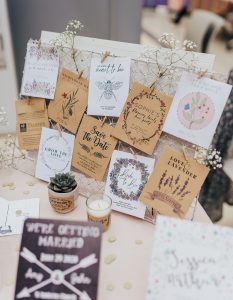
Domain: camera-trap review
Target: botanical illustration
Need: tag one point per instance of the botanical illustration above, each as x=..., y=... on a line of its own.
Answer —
x=89, y=151
x=42, y=52
x=171, y=190
x=119, y=169
x=70, y=98
x=39, y=87
x=196, y=110
x=108, y=88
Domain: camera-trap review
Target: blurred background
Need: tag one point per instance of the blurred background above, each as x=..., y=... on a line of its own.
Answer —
x=208, y=23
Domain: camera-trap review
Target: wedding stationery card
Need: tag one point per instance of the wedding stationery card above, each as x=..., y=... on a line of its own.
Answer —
x=31, y=116
x=196, y=109
x=40, y=70
x=13, y=214
x=141, y=121
x=109, y=86
x=59, y=260
x=126, y=179
x=191, y=261
x=70, y=100
x=55, y=153
x=93, y=147
x=174, y=183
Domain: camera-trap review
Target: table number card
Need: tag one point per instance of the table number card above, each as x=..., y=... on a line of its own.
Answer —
x=196, y=109
x=109, y=86
x=58, y=260
x=70, y=100
x=40, y=71
x=93, y=147
x=191, y=261
x=174, y=183
x=55, y=153
x=141, y=121
x=127, y=177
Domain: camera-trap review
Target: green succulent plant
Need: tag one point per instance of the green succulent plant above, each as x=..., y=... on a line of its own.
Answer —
x=62, y=183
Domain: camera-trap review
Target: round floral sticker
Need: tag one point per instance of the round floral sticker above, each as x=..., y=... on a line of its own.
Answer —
x=196, y=110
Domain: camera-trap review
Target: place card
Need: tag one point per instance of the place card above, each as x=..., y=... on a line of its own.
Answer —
x=109, y=86
x=55, y=153
x=70, y=100
x=14, y=212
x=141, y=121
x=93, y=147
x=196, y=109
x=191, y=261
x=31, y=116
x=126, y=179
x=40, y=70
x=174, y=183
x=58, y=260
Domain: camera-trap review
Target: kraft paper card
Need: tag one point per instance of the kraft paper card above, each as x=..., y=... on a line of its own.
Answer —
x=55, y=153
x=40, y=70
x=196, y=109
x=141, y=121
x=58, y=260
x=126, y=179
x=191, y=261
x=174, y=183
x=31, y=116
x=14, y=212
x=109, y=86
x=70, y=100
x=93, y=147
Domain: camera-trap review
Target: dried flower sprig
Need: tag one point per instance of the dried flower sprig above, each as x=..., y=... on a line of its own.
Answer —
x=208, y=157
x=168, y=40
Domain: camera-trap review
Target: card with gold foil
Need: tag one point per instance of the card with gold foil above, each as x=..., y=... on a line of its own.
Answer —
x=70, y=100
x=93, y=147
x=141, y=121
x=174, y=183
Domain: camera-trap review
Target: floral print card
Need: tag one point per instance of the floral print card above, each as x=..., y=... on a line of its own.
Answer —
x=93, y=147
x=70, y=100
x=126, y=179
x=174, y=183
x=55, y=153
x=40, y=70
x=109, y=86
x=141, y=121
x=190, y=261
x=196, y=109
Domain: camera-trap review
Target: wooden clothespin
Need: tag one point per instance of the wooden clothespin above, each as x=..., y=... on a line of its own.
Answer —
x=80, y=74
x=105, y=55
x=201, y=74
x=39, y=43
x=103, y=121
x=59, y=129
x=29, y=101
x=134, y=154
x=185, y=154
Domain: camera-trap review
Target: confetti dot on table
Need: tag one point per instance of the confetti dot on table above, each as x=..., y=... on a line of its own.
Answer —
x=26, y=192
x=138, y=242
x=31, y=183
x=18, y=212
x=110, y=259
x=112, y=239
x=12, y=187
x=8, y=184
x=127, y=285
x=110, y=287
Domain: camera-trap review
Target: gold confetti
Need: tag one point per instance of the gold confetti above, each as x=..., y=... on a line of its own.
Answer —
x=138, y=242
x=110, y=287
x=127, y=285
x=26, y=192
x=18, y=212
x=31, y=183
x=12, y=187
x=8, y=184
x=112, y=239
x=110, y=259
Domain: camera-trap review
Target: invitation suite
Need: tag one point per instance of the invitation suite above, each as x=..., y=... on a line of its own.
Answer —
x=40, y=70
x=93, y=147
x=126, y=179
x=141, y=121
x=58, y=260
x=109, y=86
x=70, y=100
x=174, y=183
x=191, y=261
x=55, y=153
x=196, y=109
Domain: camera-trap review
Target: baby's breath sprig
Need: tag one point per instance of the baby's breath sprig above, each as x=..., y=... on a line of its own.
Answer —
x=208, y=157
x=168, y=40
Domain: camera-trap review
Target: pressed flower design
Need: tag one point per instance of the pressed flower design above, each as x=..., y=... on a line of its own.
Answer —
x=39, y=87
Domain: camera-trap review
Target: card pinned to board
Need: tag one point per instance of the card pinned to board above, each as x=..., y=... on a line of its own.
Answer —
x=70, y=100
x=59, y=260
x=174, y=183
x=141, y=121
x=31, y=116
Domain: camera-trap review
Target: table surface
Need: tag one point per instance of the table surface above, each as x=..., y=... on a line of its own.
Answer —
x=132, y=262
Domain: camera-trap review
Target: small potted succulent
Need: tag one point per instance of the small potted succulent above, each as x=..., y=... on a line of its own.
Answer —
x=63, y=192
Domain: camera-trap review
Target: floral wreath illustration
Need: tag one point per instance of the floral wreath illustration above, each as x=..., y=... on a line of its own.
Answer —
x=124, y=163
x=45, y=52
x=127, y=112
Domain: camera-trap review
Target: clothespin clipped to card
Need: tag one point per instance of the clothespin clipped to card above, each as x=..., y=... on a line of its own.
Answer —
x=185, y=153
x=105, y=55
x=103, y=121
x=134, y=154
x=80, y=75
x=201, y=74
x=59, y=129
